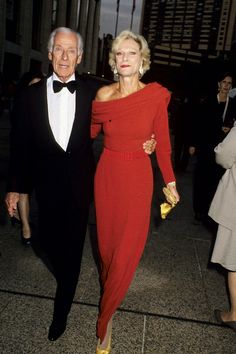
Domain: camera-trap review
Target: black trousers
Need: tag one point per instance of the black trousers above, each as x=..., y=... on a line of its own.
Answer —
x=62, y=230
x=181, y=153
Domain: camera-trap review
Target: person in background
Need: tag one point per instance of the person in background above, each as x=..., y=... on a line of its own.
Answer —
x=22, y=214
x=128, y=112
x=222, y=211
x=212, y=121
x=179, y=123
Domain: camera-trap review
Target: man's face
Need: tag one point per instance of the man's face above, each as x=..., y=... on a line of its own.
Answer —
x=65, y=55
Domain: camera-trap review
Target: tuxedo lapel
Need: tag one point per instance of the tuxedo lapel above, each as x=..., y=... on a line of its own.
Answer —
x=82, y=109
x=42, y=109
x=41, y=117
x=45, y=115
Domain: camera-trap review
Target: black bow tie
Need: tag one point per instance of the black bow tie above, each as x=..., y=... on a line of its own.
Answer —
x=58, y=85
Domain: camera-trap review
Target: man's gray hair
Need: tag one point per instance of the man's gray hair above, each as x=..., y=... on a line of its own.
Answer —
x=64, y=30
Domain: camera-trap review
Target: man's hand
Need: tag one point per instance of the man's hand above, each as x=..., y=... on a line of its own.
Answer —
x=226, y=129
x=11, y=201
x=150, y=145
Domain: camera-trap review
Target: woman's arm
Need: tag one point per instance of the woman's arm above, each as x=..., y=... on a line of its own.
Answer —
x=225, y=152
x=96, y=128
x=163, y=145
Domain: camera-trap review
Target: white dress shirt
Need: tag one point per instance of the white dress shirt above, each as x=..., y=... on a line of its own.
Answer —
x=61, y=111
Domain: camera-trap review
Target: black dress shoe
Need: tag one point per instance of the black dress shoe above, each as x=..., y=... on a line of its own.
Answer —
x=25, y=241
x=56, y=330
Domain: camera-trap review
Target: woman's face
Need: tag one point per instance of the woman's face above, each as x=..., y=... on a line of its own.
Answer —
x=225, y=85
x=128, y=58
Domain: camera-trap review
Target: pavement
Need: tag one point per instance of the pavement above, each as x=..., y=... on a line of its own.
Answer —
x=168, y=308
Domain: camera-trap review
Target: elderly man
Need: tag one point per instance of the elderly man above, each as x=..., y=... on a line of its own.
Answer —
x=51, y=152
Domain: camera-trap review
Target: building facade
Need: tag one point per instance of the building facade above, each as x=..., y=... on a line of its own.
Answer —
x=189, y=30
x=26, y=24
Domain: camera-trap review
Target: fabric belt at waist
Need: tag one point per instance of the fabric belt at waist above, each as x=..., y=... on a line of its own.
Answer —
x=125, y=155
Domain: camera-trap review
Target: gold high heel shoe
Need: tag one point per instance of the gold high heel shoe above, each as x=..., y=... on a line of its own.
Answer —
x=104, y=351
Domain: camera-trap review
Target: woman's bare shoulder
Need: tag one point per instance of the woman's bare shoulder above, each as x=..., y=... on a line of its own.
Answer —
x=105, y=93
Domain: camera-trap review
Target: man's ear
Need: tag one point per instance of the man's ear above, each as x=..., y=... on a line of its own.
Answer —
x=79, y=58
x=50, y=56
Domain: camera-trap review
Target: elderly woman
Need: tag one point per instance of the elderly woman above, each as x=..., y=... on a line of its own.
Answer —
x=128, y=112
x=223, y=211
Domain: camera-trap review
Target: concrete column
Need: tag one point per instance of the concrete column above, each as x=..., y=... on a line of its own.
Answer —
x=82, y=25
x=89, y=36
x=95, y=37
x=45, y=32
x=231, y=27
x=2, y=31
x=89, y=18
x=61, y=13
x=25, y=33
x=73, y=14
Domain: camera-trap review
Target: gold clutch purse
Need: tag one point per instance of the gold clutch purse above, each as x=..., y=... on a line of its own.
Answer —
x=171, y=203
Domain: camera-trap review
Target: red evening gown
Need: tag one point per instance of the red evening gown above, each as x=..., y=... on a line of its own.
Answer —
x=124, y=186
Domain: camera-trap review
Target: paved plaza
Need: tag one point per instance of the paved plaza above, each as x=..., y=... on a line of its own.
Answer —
x=169, y=306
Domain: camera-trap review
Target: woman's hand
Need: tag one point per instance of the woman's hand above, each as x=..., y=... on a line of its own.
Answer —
x=150, y=145
x=172, y=188
x=11, y=200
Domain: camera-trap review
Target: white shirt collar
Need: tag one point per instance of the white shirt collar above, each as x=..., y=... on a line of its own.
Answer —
x=55, y=77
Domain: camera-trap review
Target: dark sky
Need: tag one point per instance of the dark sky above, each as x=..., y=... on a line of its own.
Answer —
x=108, y=16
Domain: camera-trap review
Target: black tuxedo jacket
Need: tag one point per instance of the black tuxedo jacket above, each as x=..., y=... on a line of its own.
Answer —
x=36, y=159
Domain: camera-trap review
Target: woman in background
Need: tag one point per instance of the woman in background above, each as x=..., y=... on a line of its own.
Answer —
x=23, y=212
x=211, y=123
x=223, y=211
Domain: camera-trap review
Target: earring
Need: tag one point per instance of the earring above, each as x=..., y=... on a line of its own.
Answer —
x=141, y=71
x=115, y=74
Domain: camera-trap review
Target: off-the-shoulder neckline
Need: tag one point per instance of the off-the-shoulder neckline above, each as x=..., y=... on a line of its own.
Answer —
x=128, y=96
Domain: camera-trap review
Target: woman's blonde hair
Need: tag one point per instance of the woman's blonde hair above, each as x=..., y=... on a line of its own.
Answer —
x=143, y=45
